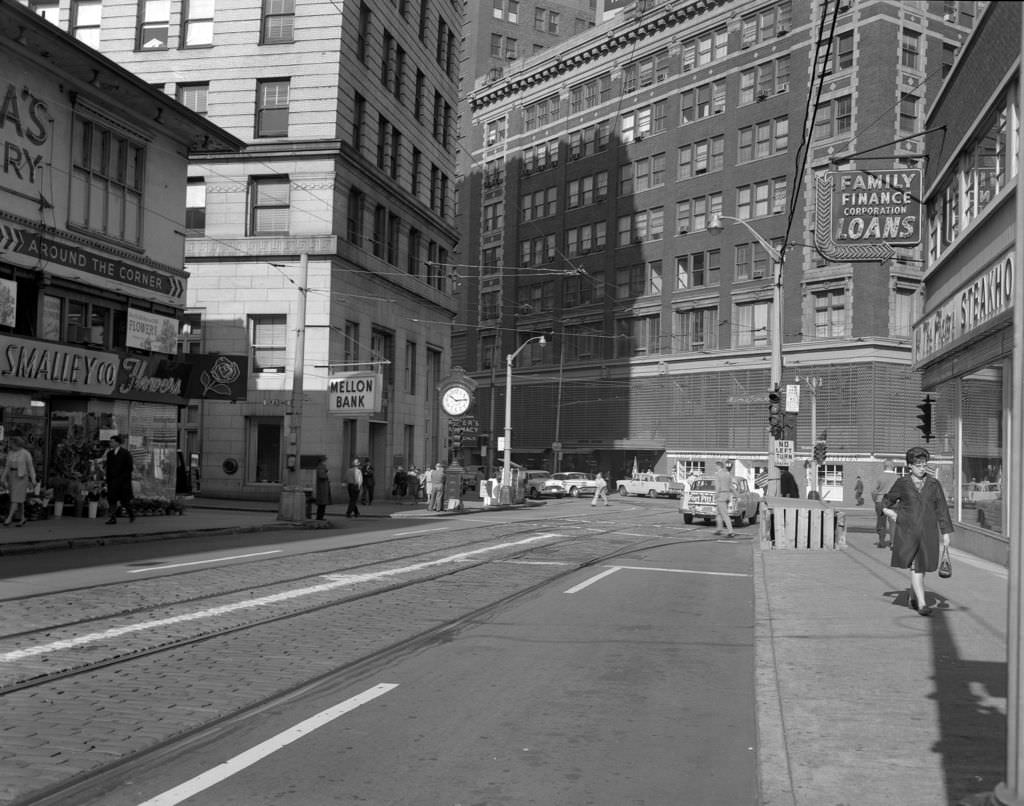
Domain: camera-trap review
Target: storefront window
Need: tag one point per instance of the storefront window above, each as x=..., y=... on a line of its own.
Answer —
x=265, y=449
x=981, y=478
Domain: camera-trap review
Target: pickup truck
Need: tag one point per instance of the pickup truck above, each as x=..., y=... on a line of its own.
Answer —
x=651, y=485
x=701, y=504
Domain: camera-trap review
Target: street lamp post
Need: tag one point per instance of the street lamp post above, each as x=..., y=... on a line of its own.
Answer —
x=506, y=471
x=715, y=227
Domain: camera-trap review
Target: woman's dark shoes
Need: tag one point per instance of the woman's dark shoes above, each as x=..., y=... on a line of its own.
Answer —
x=925, y=611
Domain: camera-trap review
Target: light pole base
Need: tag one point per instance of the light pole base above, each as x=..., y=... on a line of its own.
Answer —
x=1000, y=797
x=293, y=505
x=505, y=495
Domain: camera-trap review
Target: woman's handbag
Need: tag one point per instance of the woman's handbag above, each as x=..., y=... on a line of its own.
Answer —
x=945, y=566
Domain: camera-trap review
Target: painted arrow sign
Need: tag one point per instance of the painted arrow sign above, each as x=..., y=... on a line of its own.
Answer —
x=41, y=248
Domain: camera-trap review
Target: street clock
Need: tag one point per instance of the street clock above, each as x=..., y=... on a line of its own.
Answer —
x=456, y=399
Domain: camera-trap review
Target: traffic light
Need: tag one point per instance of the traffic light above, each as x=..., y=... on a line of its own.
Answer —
x=789, y=425
x=776, y=416
x=925, y=427
x=820, y=452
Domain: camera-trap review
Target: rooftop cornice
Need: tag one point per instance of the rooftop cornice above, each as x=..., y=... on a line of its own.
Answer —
x=623, y=34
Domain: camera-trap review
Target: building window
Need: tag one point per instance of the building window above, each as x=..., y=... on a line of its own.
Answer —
x=640, y=335
x=413, y=256
x=904, y=311
x=910, y=49
x=197, y=24
x=751, y=324
x=194, y=96
x=154, y=24
x=269, y=198
x=834, y=118
x=908, y=112
x=983, y=447
x=278, y=21
x=85, y=22
x=106, y=182
x=363, y=35
x=195, y=207
x=269, y=336
x=697, y=330
x=356, y=204
x=829, y=313
x=350, y=346
x=272, y=108
x=698, y=269
x=410, y=368
x=701, y=102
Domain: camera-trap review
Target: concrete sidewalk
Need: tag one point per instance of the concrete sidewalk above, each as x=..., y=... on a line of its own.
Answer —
x=860, y=701
x=863, y=702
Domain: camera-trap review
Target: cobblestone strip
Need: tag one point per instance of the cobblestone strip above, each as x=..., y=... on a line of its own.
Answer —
x=56, y=731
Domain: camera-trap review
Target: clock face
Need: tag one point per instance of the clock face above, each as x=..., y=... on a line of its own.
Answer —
x=455, y=400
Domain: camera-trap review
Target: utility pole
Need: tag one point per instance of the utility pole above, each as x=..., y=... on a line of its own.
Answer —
x=293, y=497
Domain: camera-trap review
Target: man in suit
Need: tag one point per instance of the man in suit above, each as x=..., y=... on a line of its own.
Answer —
x=119, y=479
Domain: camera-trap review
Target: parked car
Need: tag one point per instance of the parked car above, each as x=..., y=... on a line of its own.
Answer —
x=574, y=484
x=743, y=507
x=652, y=485
x=472, y=476
x=534, y=482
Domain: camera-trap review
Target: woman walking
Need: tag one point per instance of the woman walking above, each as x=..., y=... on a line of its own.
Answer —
x=19, y=476
x=916, y=506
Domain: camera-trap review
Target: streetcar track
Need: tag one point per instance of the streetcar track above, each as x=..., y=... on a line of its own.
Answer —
x=75, y=788
x=121, y=656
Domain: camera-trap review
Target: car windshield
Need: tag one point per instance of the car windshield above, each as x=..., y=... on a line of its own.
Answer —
x=703, y=484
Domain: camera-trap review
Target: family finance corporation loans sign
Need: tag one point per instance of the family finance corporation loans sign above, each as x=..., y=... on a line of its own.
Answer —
x=861, y=215
x=354, y=393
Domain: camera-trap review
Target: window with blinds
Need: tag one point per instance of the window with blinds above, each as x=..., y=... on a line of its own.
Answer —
x=270, y=201
x=269, y=336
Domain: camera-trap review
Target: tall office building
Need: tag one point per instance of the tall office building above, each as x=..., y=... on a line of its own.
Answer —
x=341, y=206
x=598, y=165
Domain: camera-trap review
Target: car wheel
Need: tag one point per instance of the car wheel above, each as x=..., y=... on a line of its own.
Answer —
x=534, y=493
x=753, y=518
x=737, y=519
x=687, y=518
x=622, y=491
x=652, y=493
x=708, y=521
x=574, y=492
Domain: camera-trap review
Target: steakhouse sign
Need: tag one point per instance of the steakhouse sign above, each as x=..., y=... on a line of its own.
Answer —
x=862, y=214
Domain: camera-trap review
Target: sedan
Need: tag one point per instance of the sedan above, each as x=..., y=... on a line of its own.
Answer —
x=574, y=484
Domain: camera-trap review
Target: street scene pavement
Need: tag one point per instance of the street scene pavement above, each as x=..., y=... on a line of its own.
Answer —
x=860, y=700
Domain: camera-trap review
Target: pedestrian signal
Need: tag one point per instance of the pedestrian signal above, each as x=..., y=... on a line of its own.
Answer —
x=820, y=452
x=925, y=426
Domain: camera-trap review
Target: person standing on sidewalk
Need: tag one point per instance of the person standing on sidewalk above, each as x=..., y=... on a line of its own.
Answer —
x=601, y=491
x=119, y=479
x=882, y=485
x=19, y=476
x=323, y=488
x=368, y=483
x=917, y=507
x=723, y=496
x=353, y=484
x=435, y=488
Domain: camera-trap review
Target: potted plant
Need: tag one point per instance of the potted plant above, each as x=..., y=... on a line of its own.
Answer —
x=59, y=489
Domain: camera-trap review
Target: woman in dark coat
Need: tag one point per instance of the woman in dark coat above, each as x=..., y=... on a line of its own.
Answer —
x=916, y=504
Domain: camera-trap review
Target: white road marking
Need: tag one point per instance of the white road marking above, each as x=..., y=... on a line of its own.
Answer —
x=203, y=562
x=593, y=579
x=334, y=582
x=537, y=562
x=232, y=766
x=418, y=532
x=611, y=569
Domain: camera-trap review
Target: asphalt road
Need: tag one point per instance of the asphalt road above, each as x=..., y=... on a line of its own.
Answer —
x=627, y=681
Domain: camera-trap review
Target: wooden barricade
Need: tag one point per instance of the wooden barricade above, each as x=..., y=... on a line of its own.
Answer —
x=805, y=525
